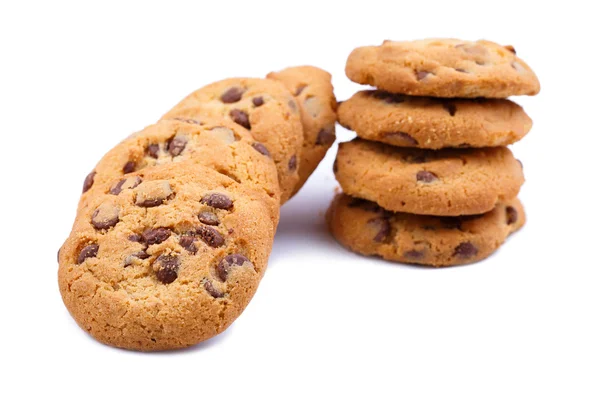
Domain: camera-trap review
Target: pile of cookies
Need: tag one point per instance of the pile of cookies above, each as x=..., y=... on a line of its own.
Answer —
x=176, y=223
x=429, y=179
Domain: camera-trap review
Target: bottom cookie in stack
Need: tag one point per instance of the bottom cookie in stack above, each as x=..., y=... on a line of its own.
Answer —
x=364, y=227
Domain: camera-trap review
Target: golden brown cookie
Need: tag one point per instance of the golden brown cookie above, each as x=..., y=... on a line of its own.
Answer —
x=210, y=142
x=167, y=262
x=265, y=108
x=313, y=90
x=445, y=182
x=443, y=68
x=364, y=227
x=432, y=123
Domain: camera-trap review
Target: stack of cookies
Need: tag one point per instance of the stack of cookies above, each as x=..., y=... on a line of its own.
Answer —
x=429, y=179
x=176, y=223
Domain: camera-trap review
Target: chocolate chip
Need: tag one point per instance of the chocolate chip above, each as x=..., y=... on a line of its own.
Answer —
x=422, y=75
x=152, y=150
x=258, y=101
x=58, y=255
x=292, y=105
x=127, y=183
x=363, y=204
x=383, y=228
x=210, y=236
x=511, y=49
x=465, y=250
x=451, y=108
x=214, y=292
x=168, y=266
x=426, y=176
x=335, y=166
x=299, y=90
x=261, y=149
x=141, y=255
x=152, y=193
x=208, y=218
x=511, y=215
x=156, y=235
x=88, y=181
x=413, y=254
x=89, y=251
x=129, y=167
x=134, y=237
x=187, y=242
x=402, y=137
x=293, y=163
x=232, y=95
x=176, y=145
x=326, y=136
x=105, y=216
x=230, y=261
x=240, y=118
x=217, y=200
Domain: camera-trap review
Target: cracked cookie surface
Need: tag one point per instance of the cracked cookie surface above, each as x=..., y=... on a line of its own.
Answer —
x=210, y=142
x=262, y=106
x=364, y=227
x=167, y=261
x=445, y=182
x=312, y=88
x=443, y=68
x=431, y=123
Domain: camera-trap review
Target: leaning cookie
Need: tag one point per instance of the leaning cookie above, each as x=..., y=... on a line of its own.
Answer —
x=210, y=142
x=364, y=227
x=313, y=90
x=432, y=123
x=168, y=262
x=443, y=68
x=262, y=106
x=445, y=182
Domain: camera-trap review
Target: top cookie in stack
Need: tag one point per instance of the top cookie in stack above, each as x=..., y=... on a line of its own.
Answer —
x=440, y=116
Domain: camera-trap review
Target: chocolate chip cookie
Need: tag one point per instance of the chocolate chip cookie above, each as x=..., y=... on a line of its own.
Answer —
x=311, y=86
x=166, y=259
x=432, y=123
x=364, y=227
x=262, y=106
x=447, y=182
x=443, y=68
x=211, y=142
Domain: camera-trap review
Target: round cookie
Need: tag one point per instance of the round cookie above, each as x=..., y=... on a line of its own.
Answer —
x=445, y=182
x=211, y=142
x=314, y=92
x=364, y=227
x=168, y=263
x=431, y=123
x=265, y=108
x=443, y=68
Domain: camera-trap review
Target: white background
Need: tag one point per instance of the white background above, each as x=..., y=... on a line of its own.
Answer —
x=325, y=323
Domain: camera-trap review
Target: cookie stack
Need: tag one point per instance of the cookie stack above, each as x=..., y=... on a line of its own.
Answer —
x=429, y=179
x=176, y=223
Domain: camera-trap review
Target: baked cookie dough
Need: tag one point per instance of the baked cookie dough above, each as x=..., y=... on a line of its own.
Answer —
x=364, y=227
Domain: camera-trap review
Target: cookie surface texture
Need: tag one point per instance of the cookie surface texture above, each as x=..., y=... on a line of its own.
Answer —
x=364, y=227
x=210, y=142
x=447, y=182
x=167, y=263
x=431, y=123
x=313, y=91
x=443, y=68
x=264, y=107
